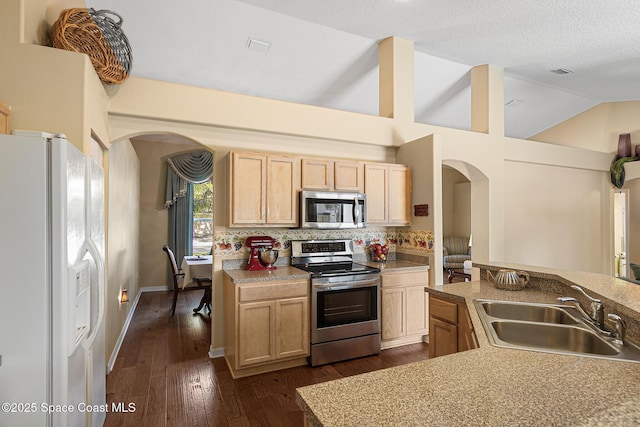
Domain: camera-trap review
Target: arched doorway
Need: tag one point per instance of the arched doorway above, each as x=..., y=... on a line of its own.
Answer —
x=153, y=150
x=476, y=202
x=137, y=220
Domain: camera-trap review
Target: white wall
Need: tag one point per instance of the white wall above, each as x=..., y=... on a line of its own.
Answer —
x=450, y=177
x=462, y=209
x=554, y=216
x=154, y=217
x=456, y=203
x=123, y=236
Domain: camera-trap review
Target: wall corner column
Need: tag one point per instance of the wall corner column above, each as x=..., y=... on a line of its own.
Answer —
x=487, y=100
x=395, y=57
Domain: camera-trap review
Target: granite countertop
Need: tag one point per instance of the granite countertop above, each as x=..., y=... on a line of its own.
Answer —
x=488, y=386
x=397, y=265
x=284, y=272
x=617, y=290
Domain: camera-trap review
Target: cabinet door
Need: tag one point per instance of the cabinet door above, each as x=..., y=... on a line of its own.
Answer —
x=443, y=338
x=5, y=118
x=417, y=303
x=292, y=327
x=348, y=176
x=247, y=188
x=283, y=184
x=393, y=313
x=467, y=339
x=375, y=187
x=399, y=196
x=256, y=332
x=317, y=174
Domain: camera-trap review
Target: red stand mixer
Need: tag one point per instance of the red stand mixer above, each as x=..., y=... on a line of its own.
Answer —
x=256, y=244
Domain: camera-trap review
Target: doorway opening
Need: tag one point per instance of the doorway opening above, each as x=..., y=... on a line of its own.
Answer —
x=472, y=209
x=621, y=232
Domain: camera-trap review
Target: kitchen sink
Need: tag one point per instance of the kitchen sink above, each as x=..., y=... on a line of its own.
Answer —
x=542, y=335
x=545, y=313
x=548, y=328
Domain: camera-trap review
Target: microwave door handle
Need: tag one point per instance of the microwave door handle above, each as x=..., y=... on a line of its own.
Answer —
x=356, y=211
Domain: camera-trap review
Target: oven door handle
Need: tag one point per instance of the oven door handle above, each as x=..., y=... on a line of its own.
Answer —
x=345, y=285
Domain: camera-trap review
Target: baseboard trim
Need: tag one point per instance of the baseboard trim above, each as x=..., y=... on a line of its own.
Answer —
x=127, y=322
x=216, y=352
x=154, y=289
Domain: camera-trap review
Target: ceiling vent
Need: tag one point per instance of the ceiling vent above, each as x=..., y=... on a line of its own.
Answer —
x=514, y=103
x=562, y=71
x=258, y=45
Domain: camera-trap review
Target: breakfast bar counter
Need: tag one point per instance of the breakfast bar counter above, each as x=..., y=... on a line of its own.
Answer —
x=489, y=386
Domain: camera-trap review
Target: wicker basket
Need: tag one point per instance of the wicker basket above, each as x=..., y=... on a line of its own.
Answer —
x=99, y=36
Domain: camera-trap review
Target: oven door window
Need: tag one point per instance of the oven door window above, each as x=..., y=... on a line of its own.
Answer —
x=346, y=306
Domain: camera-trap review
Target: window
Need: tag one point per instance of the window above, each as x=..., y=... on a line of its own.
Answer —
x=202, y=233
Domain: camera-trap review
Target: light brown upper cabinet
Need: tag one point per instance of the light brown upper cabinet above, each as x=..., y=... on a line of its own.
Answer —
x=348, y=176
x=388, y=190
x=263, y=190
x=330, y=175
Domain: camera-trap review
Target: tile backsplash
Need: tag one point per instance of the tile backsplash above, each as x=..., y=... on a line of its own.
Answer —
x=230, y=243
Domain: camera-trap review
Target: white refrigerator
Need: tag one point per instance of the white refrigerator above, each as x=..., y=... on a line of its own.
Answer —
x=52, y=279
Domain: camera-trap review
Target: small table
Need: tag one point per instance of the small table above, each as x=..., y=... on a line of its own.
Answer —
x=466, y=273
x=195, y=267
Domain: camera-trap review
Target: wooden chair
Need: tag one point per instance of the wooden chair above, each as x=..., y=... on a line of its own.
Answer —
x=202, y=283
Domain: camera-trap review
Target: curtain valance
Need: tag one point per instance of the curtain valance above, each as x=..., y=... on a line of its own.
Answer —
x=194, y=167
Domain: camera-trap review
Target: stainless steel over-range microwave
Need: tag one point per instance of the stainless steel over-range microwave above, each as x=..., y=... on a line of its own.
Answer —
x=332, y=209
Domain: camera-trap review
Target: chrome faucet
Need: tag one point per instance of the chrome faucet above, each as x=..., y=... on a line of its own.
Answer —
x=564, y=300
x=596, y=309
x=619, y=328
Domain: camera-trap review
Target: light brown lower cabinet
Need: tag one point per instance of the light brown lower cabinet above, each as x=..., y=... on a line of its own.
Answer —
x=404, y=307
x=450, y=327
x=5, y=118
x=266, y=325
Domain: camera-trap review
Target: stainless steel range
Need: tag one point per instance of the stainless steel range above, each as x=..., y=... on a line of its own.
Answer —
x=345, y=300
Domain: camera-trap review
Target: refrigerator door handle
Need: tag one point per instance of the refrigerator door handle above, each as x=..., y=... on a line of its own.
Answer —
x=93, y=251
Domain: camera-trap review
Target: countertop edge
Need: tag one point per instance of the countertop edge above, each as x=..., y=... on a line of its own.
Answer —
x=515, y=364
x=287, y=272
x=239, y=276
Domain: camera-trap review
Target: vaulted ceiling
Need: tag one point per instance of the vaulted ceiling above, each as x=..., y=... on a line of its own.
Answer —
x=324, y=53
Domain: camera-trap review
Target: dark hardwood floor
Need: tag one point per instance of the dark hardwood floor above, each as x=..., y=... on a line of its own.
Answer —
x=163, y=368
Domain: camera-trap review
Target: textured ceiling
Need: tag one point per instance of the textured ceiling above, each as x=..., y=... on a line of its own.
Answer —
x=599, y=41
x=325, y=52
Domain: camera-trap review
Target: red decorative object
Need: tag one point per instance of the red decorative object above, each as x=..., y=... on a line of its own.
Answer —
x=421, y=210
x=379, y=252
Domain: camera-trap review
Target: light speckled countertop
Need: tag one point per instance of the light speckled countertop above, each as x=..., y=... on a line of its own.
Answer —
x=284, y=272
x=492, y=386
x=397, y=265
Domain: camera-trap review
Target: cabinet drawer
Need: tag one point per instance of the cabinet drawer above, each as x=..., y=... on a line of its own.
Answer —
x=264, y=291
x=445, y=310
x=405, y=278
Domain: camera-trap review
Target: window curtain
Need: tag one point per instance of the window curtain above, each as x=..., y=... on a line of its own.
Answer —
x=183, y=171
